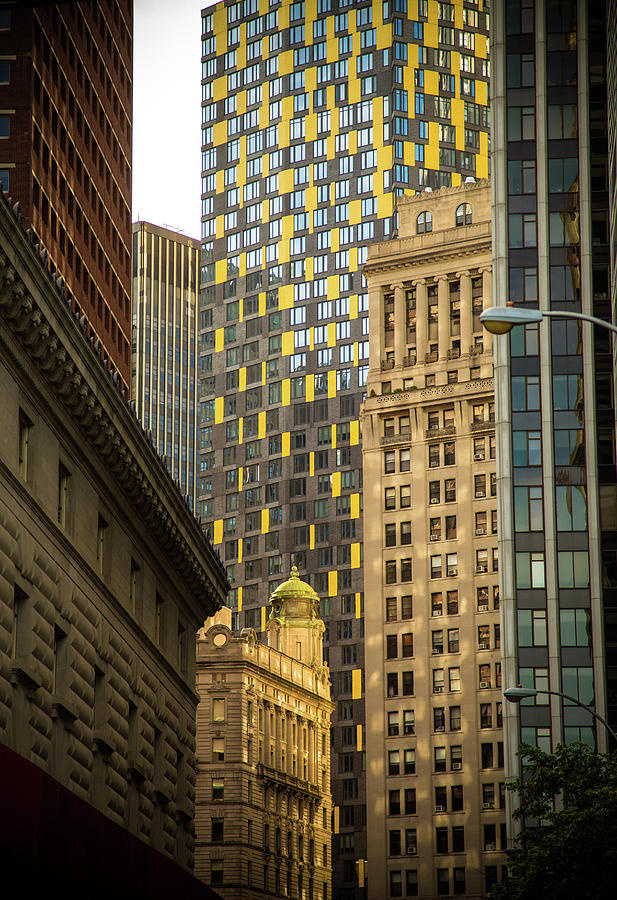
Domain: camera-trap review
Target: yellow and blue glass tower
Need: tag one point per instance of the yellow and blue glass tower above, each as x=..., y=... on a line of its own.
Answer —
x=316, y=115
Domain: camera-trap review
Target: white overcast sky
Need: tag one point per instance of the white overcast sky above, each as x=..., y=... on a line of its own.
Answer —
x=166, y=113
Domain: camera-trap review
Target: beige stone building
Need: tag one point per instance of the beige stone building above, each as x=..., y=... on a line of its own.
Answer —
x=263, y=814
x=105, y=577
x=435, y=801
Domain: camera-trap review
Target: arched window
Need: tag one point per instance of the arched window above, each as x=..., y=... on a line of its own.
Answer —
x=424, y=223
x=463, y=214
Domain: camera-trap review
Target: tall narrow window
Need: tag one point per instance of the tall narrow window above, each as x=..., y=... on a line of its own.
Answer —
x=24, y=440
x=60, y=661
x=63, y=494
x=101, y=533
x=133, y=586
x=182, y=660
x=158, y=620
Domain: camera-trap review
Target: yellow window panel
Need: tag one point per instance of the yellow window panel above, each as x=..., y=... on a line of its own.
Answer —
x=218, y=340
x=219, y=91
x=287, y=343
x=480, y=47
x=333, y=431
x=431, y=157
x=219, y=133
x=262, y=303
x=242, y=379
x=332, y=383
x=240, y=309
x=240, y=478
x=310, y=388
x=355, y=353
x=311, y=338
x=312, y=463
x=430, y=34
x=355, y=506
x=311, y=535
x=335, y=810
x=262, y=424
x=355, y=556
x=285, y=443
x=384, y=37
x=331, y=332
x=218, y=531
x=354, y=89
x=265, y=521
x=240, y=546
x=263, y=373
x=359, y=744
x=332, y=584
x=458, y=113
x=361, y=873
x=431, y=82
x=218, y=410
x=354, y=432
x=481, y=92
x=286, y=296
x=353, y=307
x=220, y=270
x=336, y=484
x=286, y=391
x=240, y=427
x=358, y=606
x=240, y=599
x=456, y=179
x=263, y=618
x=356, y=684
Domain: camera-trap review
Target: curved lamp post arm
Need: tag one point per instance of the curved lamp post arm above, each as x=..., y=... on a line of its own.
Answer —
x=560, y=314
x=516, y=694
x=584, y=706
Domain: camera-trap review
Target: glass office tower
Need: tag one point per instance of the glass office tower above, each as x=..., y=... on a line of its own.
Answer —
x=163, y=377
x=554, y=383
x=315, y=116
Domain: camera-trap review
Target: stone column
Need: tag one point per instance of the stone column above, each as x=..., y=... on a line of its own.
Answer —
x=400, y=325
x=487, y=301
x=466, y=312
x=376, y=329
x=443, y=312
x=421, y=321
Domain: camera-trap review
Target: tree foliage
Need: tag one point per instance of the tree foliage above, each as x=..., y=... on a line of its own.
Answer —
x=567, y=848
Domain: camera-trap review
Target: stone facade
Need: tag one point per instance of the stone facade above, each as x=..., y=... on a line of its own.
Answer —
x=435, y=808
x=105, y=575
x=263, y=815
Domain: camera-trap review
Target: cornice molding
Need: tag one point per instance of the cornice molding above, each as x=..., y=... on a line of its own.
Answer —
x=47, y=332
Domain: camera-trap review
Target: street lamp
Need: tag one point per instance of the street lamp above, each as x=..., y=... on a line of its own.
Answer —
x=501, y=319
x=516, y=694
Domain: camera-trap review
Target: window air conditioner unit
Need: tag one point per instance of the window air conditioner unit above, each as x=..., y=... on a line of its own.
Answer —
x=485, y=684
x=434, y=537
x=480, y=494
x=488, y=805
x=440, y=728
x=438, y=613
x=412, y=850
x=438, y=689
x=481, y=570
x=480, y=531
x=439, y=809
x=452, y=572
x=478, y=457
x=456, y=766
x=437, y=650
x=491, y=846
x=434, y=499
x=483, y=607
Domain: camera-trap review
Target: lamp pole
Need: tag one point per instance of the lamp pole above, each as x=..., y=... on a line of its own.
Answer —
x=516, y=694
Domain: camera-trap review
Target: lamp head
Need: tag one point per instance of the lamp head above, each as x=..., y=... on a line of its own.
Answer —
x=501, y=319
x=516, y=694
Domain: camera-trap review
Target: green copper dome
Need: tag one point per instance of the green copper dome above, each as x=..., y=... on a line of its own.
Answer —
x=294, y=599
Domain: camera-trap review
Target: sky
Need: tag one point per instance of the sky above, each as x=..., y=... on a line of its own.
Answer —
x=166, y=113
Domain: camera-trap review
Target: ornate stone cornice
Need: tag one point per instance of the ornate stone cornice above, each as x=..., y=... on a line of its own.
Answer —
x=51, y=338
